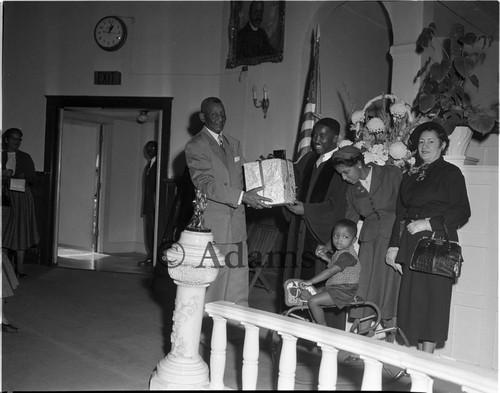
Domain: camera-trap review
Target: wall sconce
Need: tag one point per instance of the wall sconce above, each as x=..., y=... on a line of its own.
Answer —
x=143, y=117
x=264, y=103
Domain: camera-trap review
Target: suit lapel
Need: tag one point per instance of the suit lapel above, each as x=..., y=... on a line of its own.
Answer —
x=215, y=147
x=376, y=180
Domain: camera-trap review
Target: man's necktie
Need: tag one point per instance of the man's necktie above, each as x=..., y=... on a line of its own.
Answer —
x=221, y=143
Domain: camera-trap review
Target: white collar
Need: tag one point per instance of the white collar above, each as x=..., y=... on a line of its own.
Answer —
x=214, y=135
x=325, y=156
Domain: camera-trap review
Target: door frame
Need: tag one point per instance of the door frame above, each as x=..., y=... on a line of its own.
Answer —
x=51, y=156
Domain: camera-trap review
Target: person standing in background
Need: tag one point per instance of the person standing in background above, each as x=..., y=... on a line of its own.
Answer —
x=149, y=199
x=19, y=230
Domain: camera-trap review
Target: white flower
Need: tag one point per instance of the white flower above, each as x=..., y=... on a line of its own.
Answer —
x=398, y=150
x=412, y=161
x=375, y=125
x=345, y=142
x=360, y=144
x=358, y=117
x=398, y=110
x=377, y=154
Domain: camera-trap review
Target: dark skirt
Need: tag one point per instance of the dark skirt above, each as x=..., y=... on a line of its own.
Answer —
x=19, y=230
x=424, y=299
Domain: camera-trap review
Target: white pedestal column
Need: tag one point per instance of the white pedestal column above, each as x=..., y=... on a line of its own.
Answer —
x=192, y=263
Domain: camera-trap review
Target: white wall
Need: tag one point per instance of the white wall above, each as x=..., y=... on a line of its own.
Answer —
x=179, y=49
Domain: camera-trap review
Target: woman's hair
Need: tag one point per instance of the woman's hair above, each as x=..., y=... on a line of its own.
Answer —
x=7, y=134
x=349, y=224
x=348, y=156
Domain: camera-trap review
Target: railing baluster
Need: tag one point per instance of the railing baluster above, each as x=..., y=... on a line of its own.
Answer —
x=288, y=362
x=218, y=354
x=420, y=382
x=327, y=377
x=372, y=376
x=250, y=357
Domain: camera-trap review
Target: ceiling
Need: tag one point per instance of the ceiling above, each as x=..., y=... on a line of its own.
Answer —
x=476, y=16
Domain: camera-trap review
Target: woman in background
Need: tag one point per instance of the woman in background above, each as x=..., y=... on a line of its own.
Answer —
x=371, y=197
x=432, y=190
x=19, y=231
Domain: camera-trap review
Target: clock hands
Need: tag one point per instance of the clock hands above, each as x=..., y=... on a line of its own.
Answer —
x=111, y=27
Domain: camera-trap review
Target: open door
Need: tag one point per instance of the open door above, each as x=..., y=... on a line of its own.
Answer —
x=52, y=163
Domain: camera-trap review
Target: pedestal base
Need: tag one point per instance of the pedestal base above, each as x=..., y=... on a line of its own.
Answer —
x=173, y=375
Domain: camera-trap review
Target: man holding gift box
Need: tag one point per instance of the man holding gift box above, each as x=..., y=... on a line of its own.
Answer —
x=321, y=201
x=215, y=164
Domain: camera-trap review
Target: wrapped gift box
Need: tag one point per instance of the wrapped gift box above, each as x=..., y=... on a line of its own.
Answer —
x=275, y=176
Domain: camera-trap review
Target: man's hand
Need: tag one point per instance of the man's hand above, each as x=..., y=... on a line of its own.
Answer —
x=296, y=208
x=416, y=226
x=390, y=259
x=252, y=199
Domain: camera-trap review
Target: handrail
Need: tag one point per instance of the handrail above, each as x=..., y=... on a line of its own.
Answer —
x=470, y=377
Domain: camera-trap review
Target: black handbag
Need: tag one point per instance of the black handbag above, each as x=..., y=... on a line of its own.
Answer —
x=438, y=256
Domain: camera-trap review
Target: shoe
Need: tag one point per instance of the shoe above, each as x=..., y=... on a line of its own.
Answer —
x=145, y=263
x=8, y=328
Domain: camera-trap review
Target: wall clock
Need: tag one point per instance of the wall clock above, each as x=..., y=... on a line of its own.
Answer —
x=110, y=33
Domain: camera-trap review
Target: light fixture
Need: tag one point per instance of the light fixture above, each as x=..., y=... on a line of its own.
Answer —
x=143, y=117
x=264, y=103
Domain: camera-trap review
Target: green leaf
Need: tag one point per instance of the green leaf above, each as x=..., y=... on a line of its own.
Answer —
x=426, y=102
x=446, y=103
x=474, y=80
x=481, y=122
x=468, y=39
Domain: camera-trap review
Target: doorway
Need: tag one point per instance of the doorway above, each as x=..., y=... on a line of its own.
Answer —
x=75, y=124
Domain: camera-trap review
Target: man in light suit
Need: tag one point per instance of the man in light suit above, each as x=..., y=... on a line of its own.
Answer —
x=149, y=199
x=215, y=164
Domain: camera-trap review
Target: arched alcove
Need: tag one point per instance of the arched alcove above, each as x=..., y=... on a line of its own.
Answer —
x=355, y=40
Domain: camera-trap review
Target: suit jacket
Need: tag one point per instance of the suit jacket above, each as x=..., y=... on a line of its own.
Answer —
x=376, y=207
x=220, y=178
x=148, y=203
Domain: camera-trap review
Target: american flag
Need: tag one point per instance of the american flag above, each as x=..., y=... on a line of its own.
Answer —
x=311, y=111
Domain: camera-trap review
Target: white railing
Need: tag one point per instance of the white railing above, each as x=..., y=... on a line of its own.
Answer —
x=422, y=367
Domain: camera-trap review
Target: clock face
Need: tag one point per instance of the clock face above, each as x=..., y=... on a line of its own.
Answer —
x=110, y=33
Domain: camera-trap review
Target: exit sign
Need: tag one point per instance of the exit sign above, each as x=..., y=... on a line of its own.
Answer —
x=107, y=78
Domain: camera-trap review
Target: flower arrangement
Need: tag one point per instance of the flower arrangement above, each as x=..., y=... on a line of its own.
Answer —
x=381, y=130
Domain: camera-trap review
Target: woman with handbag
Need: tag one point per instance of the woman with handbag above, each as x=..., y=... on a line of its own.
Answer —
x=431, y=193
x=371, y=197
x=19, y=230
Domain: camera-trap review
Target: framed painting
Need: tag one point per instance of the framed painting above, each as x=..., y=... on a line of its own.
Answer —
x=256, y=32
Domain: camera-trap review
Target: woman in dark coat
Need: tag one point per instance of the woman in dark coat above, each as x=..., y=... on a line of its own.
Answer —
x=19, y=230
x=376, y=206
x=433, y=190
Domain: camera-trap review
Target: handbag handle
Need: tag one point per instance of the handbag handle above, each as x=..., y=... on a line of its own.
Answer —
x=445, y=230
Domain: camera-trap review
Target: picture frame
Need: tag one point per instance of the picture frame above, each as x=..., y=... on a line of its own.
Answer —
x=263, y=43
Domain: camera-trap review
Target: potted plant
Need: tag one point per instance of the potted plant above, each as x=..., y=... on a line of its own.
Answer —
x=442, y=96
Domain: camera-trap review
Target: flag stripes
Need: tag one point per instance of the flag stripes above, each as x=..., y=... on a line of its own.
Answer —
x=310, y=115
